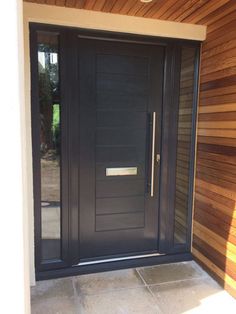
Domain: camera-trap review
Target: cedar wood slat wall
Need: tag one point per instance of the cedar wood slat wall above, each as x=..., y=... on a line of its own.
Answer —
x=214, y=240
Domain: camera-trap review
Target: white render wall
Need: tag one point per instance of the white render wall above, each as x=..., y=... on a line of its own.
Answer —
x=14, y=210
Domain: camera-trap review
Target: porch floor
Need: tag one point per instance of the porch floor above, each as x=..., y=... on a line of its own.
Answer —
x=171, y=288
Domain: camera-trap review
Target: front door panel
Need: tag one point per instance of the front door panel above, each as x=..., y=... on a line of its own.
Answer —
x=120, y=99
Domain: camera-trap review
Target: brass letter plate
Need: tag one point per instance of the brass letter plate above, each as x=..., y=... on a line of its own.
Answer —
x=129, y=171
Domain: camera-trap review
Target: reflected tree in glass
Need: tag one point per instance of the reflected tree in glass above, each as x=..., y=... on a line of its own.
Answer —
x=50, y=137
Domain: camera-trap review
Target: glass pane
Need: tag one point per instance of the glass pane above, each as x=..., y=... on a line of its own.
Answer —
x=50, y=143
x=184, y=143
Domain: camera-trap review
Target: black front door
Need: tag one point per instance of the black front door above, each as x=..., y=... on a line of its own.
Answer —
x=120, y=100
x=105, y=107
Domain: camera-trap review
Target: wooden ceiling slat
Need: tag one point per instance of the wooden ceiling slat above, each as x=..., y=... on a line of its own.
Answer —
x=219, y=49
x=219, y=40
x=145, y=8
x=128, y=5
x=80, y=4
x=220, y=32
x=70, y=3
x=51, y=2
x=205, y=12
x=206, y=9
x=163, y=9
x=175, y=8
x=99, y=5
x=118, y=6
x=89, y=4
x=154, y=8
x=108, y=5
x=60, y=3
x=136, y=8
x=219, y=23
x=189, y=8
x=219, y=13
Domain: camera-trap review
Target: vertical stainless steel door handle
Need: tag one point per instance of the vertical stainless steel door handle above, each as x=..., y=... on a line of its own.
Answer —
x=153, y=151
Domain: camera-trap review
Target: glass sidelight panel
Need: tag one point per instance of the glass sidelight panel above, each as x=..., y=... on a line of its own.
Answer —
x=50, y=145
x=184, y=143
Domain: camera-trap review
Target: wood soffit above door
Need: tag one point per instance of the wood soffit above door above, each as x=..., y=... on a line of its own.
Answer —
x=203, y=12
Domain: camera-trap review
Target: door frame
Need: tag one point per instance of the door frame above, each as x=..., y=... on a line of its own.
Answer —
x=169, y=253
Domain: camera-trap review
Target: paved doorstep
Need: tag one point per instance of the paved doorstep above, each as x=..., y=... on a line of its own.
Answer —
x=166, y=289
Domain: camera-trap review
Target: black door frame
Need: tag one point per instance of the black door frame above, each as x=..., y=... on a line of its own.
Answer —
x=70, y=184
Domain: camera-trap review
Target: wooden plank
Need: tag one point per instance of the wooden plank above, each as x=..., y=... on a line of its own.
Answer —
x=214, y=225
x=231, y=169
x=209, y=264
x=217, y=133
x=223, y=191
x=175, y=8
x=217, y=141
x=218, y=74
x=221, y=82
x=219, y=49
x=135, y=8
x=207, y=208
x=70, y=3
x=221, y=31
x=51, y=2
x=89, y=4
x=187, y=9
x=225, y=20
x=60, y=3
x=218, y=91
x=209, y=7
x=118, y=6
x=154, y=7
x=217, y=125
x=216, y=174
x=216, y=180
x=158, y=13
x=99, y=5
x=230, y=160
x=108, y=5
x=220, y=63
x=221, y=99
x=218, y=40
x=217, y=116
x=219, y=259
x=127, y=6
x=211, y=216
x=146, y=8
x=80, y=4
x=219, y=243
x=227, y=213
x=216, y=198
x=218, y=108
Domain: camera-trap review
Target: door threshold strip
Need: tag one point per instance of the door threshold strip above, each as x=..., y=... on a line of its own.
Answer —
x=118, y=259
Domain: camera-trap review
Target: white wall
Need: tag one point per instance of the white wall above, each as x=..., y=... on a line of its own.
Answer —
x=89, y=20
x=14, y=212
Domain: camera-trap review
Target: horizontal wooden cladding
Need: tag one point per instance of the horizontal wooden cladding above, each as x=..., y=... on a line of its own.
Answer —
x=224, y=264
x=207, y=216
x=214, y=239
x=227, y=280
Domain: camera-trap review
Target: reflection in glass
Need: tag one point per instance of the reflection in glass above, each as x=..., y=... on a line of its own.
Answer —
x=184, y=144
x=50, y=138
